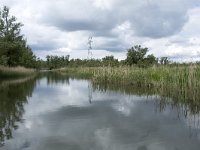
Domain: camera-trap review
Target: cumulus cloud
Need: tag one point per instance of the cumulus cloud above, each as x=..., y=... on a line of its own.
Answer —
x=167, y=27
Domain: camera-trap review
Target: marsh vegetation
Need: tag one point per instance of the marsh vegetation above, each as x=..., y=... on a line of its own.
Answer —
x=179, y=82
x=15, y=72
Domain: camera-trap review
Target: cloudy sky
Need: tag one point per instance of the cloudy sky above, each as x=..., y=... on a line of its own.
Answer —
x=60, y=27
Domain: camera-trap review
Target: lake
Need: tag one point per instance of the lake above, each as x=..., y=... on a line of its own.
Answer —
x=57, y=112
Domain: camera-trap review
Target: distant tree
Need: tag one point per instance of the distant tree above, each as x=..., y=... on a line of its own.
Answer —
x=57, y=61
x=48, y=60
x=110, y=61
x=122, y=63
x=151, y=59
x=137, y=55
x=164, y=60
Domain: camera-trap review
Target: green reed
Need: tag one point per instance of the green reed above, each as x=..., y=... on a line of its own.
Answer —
x=176, y=76
x=13, y=72
x=184, y=79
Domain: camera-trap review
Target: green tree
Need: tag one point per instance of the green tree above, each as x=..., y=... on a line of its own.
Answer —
x=10, y=38
x=13, y=48
x=57, y=61
x=110, y=61
x=164, y=60
x=27, y=59
x=151, y=59
x=136, y=54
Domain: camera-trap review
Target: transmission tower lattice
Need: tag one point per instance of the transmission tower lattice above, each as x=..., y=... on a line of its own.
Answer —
x=90, y=47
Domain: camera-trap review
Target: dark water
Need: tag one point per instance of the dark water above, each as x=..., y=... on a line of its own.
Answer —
x=54, y=112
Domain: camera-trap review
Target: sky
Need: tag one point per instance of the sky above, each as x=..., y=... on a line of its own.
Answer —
x=60, y=27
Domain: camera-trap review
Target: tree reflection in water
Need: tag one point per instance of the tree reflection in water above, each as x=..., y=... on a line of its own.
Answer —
x=13, y=97
x=55, y=78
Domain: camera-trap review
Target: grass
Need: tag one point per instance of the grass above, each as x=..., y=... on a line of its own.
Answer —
x=14, y=72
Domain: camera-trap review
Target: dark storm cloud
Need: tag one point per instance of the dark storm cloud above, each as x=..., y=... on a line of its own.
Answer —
x=152, y=22
x=152, y=19
x=113, y=45
x=97, y=27
x=43, y=46
x=99, y=23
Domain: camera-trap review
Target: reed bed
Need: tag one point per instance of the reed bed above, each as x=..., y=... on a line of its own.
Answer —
x=13, y=72
x=79, y=72
x=161, y=76
x=181, y=84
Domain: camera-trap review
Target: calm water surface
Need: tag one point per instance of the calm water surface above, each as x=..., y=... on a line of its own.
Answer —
x=54, y=112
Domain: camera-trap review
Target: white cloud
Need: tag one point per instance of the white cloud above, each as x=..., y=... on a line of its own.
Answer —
x=103, y=4
x=168, y=27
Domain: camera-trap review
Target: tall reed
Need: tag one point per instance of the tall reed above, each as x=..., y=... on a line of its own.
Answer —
x=178, y=76
x=13, y=72
x=175, y=85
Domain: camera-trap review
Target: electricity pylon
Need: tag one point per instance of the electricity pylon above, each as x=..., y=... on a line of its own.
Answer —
x=90, y=47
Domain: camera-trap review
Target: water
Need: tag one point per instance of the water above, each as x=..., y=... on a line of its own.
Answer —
x=55, y=112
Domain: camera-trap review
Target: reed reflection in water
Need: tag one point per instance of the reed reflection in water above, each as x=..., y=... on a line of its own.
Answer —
x=185, y=101
x=54, y=111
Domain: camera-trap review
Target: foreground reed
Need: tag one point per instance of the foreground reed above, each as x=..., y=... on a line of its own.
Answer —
x=13, y=72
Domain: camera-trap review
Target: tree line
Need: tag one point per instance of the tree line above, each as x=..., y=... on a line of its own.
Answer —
x=136, y=56
x=14, y=51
